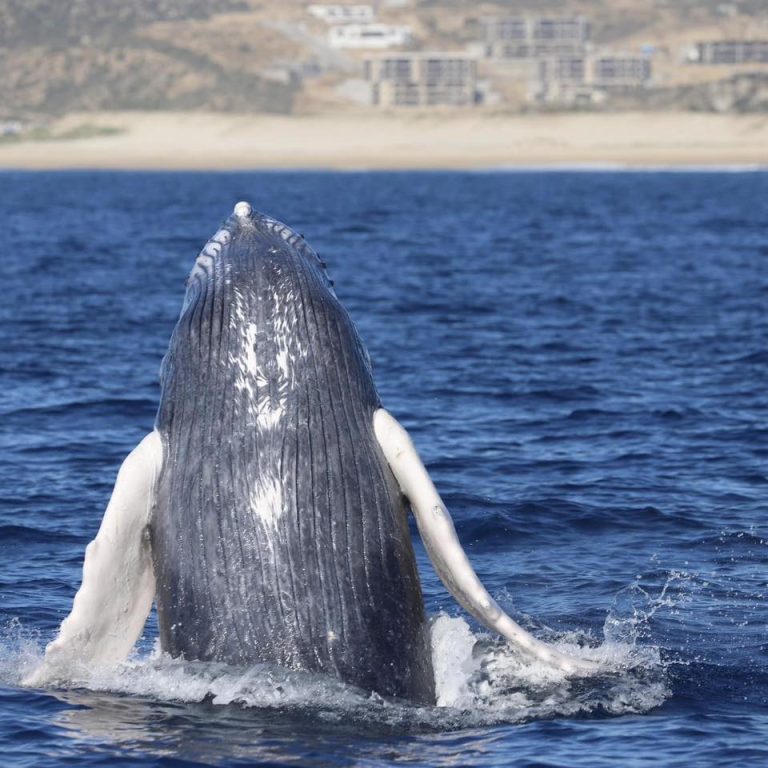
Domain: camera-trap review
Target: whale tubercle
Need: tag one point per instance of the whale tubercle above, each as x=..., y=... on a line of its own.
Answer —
x=243, y=210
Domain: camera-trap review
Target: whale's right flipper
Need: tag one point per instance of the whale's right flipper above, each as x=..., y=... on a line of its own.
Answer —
x=115, y=597
x=445, y=550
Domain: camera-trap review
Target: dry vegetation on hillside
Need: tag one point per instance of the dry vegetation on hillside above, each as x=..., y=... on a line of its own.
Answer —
x=59, y=56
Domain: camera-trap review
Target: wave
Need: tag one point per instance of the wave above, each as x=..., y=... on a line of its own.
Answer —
x=89, y=407
x=24, y=534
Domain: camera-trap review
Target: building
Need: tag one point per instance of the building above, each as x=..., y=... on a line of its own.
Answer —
x=620, y=72
x=369, y=36
x=422, y=79
x=588, y=79
x=519, y=37
x=342, y=14
x=559, y=80
x=729, y=52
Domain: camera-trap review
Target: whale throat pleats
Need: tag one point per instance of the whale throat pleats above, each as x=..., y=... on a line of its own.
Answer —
x=280, y=533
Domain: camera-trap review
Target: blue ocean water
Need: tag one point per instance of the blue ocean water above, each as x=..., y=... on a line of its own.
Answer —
x=582, y=361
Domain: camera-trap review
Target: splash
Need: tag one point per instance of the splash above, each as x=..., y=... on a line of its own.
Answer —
x=494, y=683
x=629, y=619
x=480, y=680
x=20, y=652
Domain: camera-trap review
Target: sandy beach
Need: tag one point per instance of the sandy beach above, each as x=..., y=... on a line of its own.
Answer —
x=160, y=140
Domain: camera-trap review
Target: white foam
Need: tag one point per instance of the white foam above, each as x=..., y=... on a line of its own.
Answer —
x=480, y=681
x=454, y=665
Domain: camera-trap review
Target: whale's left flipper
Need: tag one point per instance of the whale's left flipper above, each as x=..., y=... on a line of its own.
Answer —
x=115, y=597
x=445, y=550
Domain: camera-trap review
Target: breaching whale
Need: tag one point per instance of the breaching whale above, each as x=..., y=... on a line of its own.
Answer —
x=266, y=513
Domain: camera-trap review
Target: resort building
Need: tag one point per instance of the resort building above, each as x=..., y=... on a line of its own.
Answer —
x=369, y=36
x=729, y=52
x=422, y=79
x=573, y=80
x=621, y=71
x=342, y=14
x=520, y=37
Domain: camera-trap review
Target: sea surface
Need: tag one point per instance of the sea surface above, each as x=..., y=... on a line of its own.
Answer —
x=582, y=361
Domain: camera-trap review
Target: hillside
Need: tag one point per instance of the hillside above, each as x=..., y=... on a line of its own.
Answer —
x=245, y=56
x=57, y=57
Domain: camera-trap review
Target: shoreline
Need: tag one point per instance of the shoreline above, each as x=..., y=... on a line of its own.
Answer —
x=692, y=169
x=397, y=141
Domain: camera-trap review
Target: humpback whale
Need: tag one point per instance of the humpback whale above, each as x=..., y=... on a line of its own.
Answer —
x=266, y=514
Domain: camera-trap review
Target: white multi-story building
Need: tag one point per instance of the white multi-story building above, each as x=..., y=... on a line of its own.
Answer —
x=617, y=71
x=422, y=79
x=588, y=78
x=369, y=36
x=729, y=52
x=527, y=37
x=342, y=14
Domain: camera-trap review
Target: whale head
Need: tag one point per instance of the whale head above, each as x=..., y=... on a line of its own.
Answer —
x=257, y=299
x=251, y=250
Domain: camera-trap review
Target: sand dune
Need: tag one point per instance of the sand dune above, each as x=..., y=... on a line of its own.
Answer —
x=179, y=140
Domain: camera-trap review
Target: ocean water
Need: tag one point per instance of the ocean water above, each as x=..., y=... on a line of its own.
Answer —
x=581, y=359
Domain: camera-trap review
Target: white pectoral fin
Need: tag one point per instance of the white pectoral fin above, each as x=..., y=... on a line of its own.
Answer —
x=445, y=550
x=118, y=587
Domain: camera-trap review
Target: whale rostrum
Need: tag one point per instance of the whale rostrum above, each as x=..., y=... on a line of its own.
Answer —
x=266, y=513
